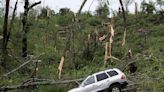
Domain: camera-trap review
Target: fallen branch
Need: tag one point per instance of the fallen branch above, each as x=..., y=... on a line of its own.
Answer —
x=5, y=75
x=48, y=82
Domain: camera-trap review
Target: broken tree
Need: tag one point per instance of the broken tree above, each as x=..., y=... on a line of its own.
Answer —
x=125, y=22
x=70, y=37
x=108, y=46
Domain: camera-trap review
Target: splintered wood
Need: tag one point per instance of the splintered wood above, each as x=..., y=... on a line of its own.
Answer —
x=124, y=38
x=108, y=46
x=48, y=12
x=60, y=67
x=102, y=38
x=89, y=37
x=108, y=54
x=130, y=53
x=111, y=39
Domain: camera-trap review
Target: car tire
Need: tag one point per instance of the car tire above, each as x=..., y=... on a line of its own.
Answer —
x=115, y=88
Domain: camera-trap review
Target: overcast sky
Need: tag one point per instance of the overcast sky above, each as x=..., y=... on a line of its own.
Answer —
x=74, y=5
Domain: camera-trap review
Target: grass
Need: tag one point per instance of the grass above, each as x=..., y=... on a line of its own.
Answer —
x=148, y=55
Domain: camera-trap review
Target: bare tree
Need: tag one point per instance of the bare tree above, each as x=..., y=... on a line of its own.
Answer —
x=11, y=24
x=5, y=28
x=25, y=29
x=125, y=22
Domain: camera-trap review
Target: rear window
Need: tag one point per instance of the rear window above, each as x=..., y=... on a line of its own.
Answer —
x=112, y=73
x=101, y=76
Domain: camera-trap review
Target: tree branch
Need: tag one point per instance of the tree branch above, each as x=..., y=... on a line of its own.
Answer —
x=36, y=3
x=47, y=82
x=81, y=7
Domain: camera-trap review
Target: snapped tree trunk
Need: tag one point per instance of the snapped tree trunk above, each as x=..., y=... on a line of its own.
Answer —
x=125, y=22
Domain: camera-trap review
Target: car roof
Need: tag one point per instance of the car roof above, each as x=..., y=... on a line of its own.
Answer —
x=107, y=71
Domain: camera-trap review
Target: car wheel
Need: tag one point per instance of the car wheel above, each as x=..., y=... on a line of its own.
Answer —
x=115, y=88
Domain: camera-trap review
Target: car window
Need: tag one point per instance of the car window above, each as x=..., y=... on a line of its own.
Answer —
x=90, y=80
x=112, y=73
x=101, y=76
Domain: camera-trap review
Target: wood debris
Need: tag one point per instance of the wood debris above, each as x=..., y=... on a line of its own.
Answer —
x=60, y=67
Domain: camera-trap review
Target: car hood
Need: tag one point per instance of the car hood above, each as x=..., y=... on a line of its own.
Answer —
x=75, y=90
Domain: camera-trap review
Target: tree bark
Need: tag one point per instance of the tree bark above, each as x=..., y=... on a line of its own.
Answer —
x=25, y=27
x=11, y=23
x=24, y=22
x=5, y=28
x=5, y=36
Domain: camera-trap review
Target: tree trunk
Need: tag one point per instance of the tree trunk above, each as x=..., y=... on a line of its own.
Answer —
x=25, y=27
x=5, y=36
x=136, y=8
x=24, y=21
x=5, y=28
x=81, y=7
x=13, y=16
x=125, y=22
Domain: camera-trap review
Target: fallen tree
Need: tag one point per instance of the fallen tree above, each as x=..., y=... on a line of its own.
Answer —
x=36, y=81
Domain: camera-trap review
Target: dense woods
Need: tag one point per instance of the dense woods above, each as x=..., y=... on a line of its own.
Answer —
x=41, y=43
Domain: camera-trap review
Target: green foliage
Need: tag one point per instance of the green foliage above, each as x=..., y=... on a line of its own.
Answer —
x=85, y=54
x=43, y=13
x=65, y=17
x=160, y=2
x=103, y=10
x=148, y=8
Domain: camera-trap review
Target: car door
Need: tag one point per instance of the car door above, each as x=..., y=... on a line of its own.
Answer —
x=113, y=76
x=89, y=84
x=102, y=79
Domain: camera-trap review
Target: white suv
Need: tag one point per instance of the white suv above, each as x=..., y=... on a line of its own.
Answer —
x=111, y=80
